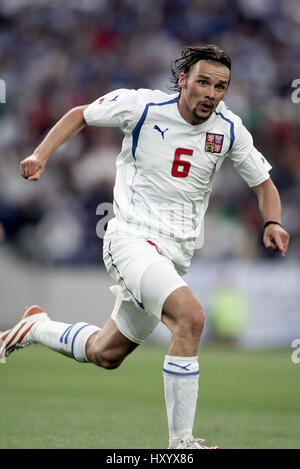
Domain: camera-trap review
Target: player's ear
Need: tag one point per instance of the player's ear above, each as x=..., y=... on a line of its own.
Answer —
x=182, y=80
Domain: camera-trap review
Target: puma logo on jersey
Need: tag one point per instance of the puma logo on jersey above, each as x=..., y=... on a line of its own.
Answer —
x=114, y=99
x=161, y=131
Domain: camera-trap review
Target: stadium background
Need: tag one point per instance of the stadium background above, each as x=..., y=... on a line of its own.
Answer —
x=55, y=55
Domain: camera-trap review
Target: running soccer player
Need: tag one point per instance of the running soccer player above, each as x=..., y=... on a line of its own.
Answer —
x=173, y=146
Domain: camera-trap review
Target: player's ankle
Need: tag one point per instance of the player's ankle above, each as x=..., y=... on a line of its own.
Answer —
x=176, y=437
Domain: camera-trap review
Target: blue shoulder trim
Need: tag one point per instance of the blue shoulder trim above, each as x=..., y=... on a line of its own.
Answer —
x=136, y=131
x=232, y=136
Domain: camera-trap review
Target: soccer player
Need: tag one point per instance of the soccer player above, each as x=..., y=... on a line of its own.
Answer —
x=173, y=146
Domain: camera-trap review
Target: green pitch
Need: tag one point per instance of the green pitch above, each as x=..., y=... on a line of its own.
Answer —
x=246, y=400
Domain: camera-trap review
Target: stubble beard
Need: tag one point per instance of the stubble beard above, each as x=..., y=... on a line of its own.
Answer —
x=201, y=119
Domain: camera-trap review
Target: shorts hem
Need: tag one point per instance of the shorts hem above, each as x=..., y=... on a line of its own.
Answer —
x=125, y=333
x=165, y=296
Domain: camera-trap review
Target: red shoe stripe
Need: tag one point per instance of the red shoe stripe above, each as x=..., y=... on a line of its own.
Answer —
x=6, y=334
x=24, y=333
x=33, y=310
x=15, y=335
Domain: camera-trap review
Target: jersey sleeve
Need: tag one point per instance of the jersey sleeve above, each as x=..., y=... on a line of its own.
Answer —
x=247, y=160
x=115, y=109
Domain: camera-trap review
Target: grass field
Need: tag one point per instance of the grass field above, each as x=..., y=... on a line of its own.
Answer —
x=246, y=400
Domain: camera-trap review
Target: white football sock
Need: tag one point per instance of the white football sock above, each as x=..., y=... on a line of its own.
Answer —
x=181, y=376
x=68, y=339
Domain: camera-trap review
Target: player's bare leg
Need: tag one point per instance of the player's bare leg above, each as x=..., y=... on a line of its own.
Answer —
x=105, y=347
x=183, y=315
x=108, y=347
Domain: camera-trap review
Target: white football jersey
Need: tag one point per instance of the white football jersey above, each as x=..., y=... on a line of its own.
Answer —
x=166, y=166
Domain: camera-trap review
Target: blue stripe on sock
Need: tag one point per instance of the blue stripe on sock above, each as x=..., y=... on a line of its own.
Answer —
x=67, y=334
x=193, y=373
x=74, y=337
x=67, y=330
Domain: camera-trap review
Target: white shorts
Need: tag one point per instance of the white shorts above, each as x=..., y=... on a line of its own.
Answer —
x=145, y=278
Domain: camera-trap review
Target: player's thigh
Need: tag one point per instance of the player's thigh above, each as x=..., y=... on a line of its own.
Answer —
x=143, y=275
x=182, y=310
x=158, y=282
x=145, y=279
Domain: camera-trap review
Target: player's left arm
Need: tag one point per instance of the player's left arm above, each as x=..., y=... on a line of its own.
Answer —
x=275, y=236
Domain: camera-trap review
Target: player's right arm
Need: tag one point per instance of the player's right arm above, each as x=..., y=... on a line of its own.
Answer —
x=115, y=109
x=68, y=126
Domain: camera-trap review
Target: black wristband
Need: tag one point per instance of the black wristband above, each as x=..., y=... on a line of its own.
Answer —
x=271, y=223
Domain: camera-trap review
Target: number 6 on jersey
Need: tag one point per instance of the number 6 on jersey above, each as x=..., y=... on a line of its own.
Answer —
x=180, y=168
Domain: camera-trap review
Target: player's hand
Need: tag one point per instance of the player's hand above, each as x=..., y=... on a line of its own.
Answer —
x=276, y=239
x=31, y=168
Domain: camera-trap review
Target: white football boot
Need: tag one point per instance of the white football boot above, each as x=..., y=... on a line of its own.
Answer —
x=20, y=336
x=189, y=442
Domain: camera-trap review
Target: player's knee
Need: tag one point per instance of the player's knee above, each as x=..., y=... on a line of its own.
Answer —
x=196, y=320
x=107, y=360
x=110, y=364
x=192, y=321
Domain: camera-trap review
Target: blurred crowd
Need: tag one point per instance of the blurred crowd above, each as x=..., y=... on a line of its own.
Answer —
x=56, y=55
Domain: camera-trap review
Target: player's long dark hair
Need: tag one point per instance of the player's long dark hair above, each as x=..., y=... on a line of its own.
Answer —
x=192, y=54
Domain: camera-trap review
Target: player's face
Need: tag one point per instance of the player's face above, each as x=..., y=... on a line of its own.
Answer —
x=201, y=91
